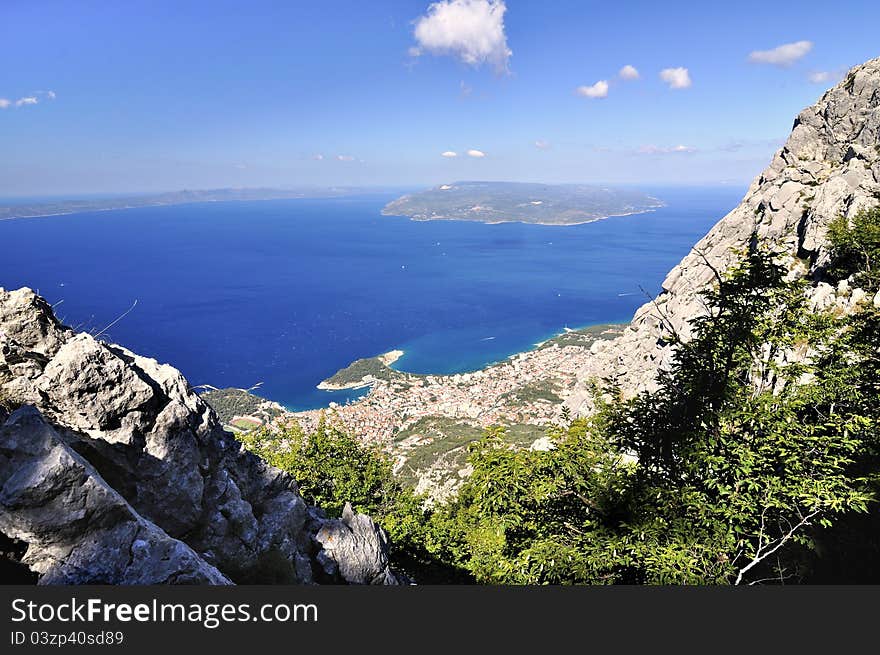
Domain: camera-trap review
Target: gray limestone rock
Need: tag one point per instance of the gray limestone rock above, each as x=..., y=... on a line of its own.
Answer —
x=139, y=431
x=828, y=167
x=78, y=529
x=357, y=548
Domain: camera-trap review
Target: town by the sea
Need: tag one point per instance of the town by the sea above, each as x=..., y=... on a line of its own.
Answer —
x=286, y=292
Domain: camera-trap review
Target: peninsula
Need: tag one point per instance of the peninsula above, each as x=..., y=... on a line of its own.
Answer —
x=517, y=202
x=363, y=372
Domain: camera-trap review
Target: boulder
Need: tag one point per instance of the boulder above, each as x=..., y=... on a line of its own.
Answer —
x=182, y=488
x=79, y=530
x=356, y=548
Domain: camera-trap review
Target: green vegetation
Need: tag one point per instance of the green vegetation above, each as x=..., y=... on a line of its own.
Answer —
x=856, y=248
x=745, y=466
x=353, y=374
x=542, y=390
x=229, y=403
x=728, y=473
x=447, y=442
x=498, y=202
x=441, y=427
x=331, y=467
x=244, y=425
x=446, y=438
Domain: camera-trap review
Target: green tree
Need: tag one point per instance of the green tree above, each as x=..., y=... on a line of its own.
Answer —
x=333, y=468
x=748, y=449
x=855, y=248
x=330, y=466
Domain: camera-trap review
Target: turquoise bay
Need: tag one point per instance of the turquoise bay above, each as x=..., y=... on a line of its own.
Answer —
x=287, y=292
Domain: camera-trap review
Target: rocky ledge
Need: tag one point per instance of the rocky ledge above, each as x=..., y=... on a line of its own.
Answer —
x=113, y=471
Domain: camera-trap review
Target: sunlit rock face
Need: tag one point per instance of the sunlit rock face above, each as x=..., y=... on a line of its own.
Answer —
x=829, y=166
x=114, y=471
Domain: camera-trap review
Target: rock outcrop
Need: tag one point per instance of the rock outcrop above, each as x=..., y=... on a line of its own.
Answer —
x=829, y=166
x=79, y=529
x=356, y=548
x=115, y=471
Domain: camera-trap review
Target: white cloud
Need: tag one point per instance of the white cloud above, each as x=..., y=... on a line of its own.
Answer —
x=783, y=55
x=541, y=144
x=666, y=150
x=479, y=154
x=597, y=90
x=629, y=73
x=449, y=154
x=344, y=158
x=24, y=101
x=472, y=30
x=676, y=78
x=318, y=156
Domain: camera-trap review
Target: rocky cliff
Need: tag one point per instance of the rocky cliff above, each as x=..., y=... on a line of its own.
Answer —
x=113, y=471
x=829, y=166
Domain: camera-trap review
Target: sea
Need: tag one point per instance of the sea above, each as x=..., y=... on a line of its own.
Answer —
x=280, y=294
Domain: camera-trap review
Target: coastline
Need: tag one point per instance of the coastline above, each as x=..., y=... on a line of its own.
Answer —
x=522, y=222
x=170, y=199
x=144, y=206
x=425, y=422
x=386, y=360
x=361, y=373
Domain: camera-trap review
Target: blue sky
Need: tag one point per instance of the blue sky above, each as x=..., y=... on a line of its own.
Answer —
x=108, y=96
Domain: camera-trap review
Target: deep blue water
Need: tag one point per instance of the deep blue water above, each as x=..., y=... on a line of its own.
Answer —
x=286, y=292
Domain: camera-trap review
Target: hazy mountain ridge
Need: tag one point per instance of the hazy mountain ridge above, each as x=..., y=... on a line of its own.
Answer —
x=63, y=207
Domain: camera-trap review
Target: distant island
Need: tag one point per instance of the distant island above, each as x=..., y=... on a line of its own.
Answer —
x=503, y=202
x=60, y=207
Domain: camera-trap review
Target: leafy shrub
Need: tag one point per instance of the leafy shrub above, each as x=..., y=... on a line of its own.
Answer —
x=733, y=471
x=855, y=248
x=331, y=467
